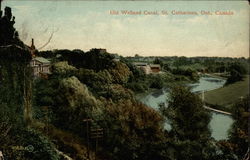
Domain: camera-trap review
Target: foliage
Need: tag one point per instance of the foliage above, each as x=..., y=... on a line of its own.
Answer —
x=185, y=112
x=181, y=61
x=189, y=122
x=92, y=59
x=8, y=34
x=186, y=72
x=239, y=132
x=137, y=74
x=29, y=145
x=156, y=82
x=237, y=72
x=120, y=73
x=74, y=93
x=137, y=86
x=63, y=69
x=158, y=61
x=43, y=92
x=131, y=125
x=97, y=82
x=117, y=92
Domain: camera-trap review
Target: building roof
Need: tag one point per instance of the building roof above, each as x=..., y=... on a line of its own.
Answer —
x=140, y=64
x=155, y=65
x=41, y=59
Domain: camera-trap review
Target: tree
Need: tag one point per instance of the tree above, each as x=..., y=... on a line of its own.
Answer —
x=189, y=122
x=63, y=69
x=120, y=73
x=166, y=67
x=158, y=61
x=134, y=130
x=238, y=135
x=74, y=101
x=237, y=72
x=156, y=82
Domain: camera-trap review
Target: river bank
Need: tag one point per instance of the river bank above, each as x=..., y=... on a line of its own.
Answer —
x=219, y=124
x=223, y=98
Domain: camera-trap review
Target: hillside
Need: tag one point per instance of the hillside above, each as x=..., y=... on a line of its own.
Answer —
x=229, y=94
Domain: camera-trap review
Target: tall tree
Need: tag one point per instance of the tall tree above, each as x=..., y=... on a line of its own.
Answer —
x=237, y=72
x=189, y=122
x=239, y=132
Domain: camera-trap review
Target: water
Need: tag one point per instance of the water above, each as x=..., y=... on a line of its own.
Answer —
x=219, y=124
x=207, y=84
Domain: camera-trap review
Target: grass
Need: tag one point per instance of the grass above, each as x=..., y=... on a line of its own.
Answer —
x=229, y=94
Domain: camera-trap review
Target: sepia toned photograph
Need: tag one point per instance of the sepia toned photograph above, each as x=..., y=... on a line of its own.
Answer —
x=124, y=80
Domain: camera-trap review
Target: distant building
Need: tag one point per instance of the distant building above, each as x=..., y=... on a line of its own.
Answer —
x=155, y=68
x=143, y=66
x=39, y=65
x=100, y=50
x=146, y=68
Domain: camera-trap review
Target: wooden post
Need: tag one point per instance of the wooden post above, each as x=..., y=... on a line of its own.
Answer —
x=47, y=120
x=96, y=133
x=96, y=142
x=87, y=128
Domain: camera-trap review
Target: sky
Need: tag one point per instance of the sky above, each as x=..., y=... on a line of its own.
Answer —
x=89, y=24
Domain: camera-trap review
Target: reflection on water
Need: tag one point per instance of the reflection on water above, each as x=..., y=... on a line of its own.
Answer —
x=219, y=123
x=154, y=98
x=207, y=84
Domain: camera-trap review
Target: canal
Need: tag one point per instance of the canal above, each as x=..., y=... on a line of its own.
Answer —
x=219, y=124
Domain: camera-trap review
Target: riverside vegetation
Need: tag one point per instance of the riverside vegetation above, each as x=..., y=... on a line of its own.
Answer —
x=92, y=85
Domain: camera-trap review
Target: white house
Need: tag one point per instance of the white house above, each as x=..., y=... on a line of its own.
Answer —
x=143, y=66
x=40, y=66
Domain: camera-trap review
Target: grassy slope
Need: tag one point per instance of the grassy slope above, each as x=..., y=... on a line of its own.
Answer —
x=67, y=142
x=227, y=95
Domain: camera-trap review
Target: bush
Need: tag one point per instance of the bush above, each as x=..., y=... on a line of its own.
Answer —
x=156, y=82
x=30, y=145
x=137, y=86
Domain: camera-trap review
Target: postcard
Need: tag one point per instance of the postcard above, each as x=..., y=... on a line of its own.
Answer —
x=124, y=80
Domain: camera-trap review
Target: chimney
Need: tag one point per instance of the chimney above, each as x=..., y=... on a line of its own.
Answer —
x=32, y=48
x=32, y=42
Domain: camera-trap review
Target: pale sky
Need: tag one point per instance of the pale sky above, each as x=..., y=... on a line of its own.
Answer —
x=89, y=24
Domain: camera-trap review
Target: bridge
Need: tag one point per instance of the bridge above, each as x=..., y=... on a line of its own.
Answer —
x=217, y=111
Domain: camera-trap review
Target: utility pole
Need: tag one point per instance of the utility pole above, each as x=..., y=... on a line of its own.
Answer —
x=87, y=128
x=47, y=120
x=96, y=132
x=203, y=97
x=46, y=111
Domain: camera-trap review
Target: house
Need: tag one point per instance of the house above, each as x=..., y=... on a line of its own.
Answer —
x=148, y=68
x=143, y=66
x=155, y=68
x=40, y=66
